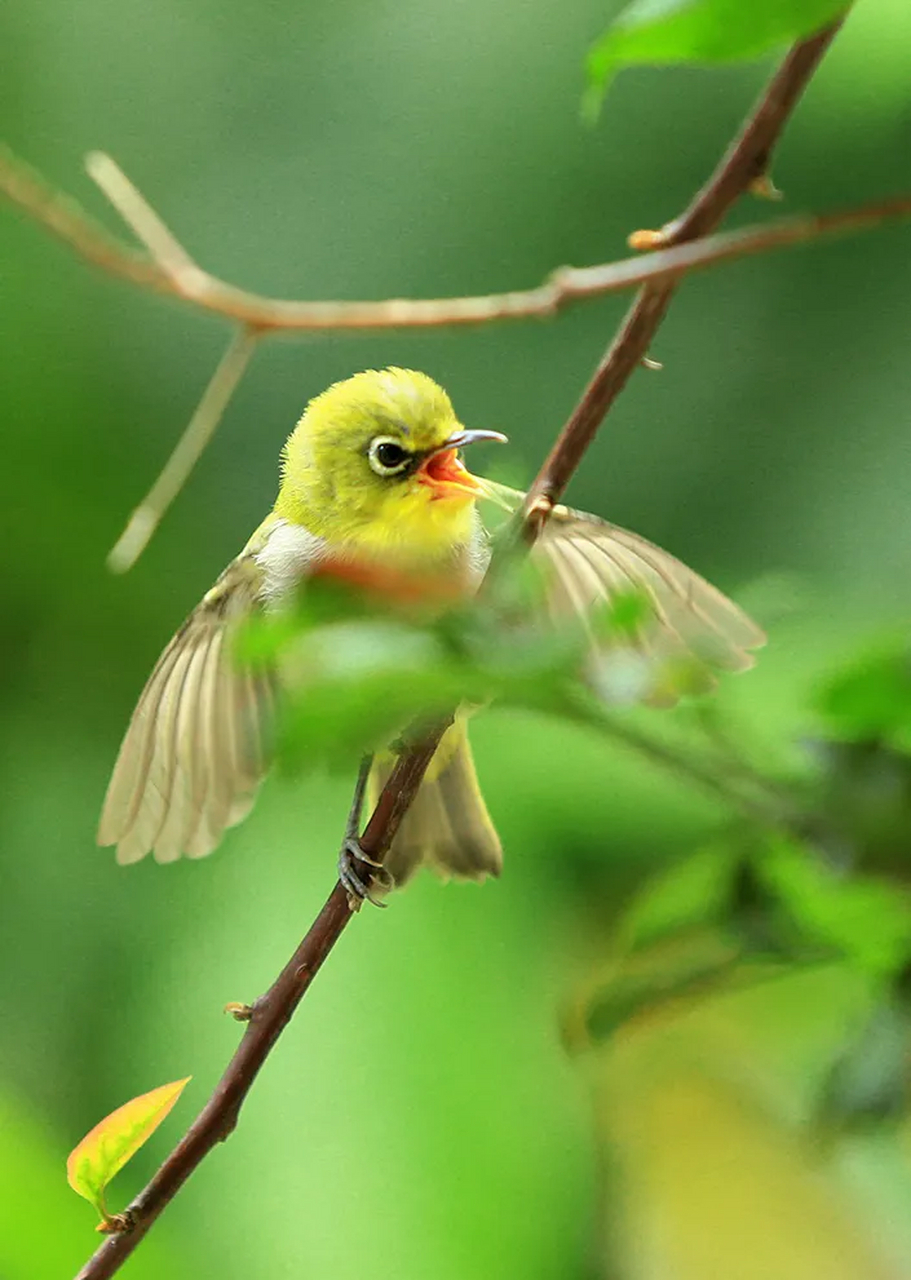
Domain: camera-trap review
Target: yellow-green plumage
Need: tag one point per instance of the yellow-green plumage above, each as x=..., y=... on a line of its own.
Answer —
x=370, y=476
x=326, y=488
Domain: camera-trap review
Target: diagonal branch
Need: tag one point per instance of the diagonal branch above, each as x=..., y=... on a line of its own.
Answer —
x=746, y=159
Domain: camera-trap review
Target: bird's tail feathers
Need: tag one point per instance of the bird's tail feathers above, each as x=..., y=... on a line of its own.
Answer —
x=447, y=826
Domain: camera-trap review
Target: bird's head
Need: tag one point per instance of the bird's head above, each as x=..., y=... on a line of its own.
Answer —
x=375, y=461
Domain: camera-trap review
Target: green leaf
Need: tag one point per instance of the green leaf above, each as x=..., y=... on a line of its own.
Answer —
x=623, y=616
x=357, y=672
x=865, y=919
x=684, y=965
x=353, y=687
x=669, y=31
x=105, y=1149
x=696, y=891
x=871, y=699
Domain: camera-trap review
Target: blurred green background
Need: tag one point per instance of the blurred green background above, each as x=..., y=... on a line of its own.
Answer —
x=421, y=1117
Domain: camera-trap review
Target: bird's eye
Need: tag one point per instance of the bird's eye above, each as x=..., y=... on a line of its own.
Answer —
x=387, y=457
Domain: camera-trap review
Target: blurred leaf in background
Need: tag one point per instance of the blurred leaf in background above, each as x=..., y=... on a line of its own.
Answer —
x=706, y=1109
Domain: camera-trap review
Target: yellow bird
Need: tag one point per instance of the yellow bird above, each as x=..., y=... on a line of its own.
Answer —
x=371, y=476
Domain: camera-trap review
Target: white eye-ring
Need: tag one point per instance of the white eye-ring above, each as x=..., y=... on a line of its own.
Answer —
x=387, y=456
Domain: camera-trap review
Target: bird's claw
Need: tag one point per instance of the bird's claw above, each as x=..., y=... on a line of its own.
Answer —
x=358, y=885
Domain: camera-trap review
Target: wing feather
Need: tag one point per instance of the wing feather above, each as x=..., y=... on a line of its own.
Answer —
x=148, y=802
x=590, y=561
x=136, y=754
x=178, y=742
x=604, y=574
x=690, y=599
x=198, y=744
x=225, y=783
x=200, y=835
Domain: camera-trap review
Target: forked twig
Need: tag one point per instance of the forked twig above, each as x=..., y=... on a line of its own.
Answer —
x=170, y=270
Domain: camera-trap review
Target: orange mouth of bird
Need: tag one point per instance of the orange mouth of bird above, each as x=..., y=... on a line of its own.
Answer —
x=448, y=477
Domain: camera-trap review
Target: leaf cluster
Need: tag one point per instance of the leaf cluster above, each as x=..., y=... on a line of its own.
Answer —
x=825, y=882
x=358, y=670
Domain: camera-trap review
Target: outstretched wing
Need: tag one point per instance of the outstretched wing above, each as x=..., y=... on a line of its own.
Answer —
x=198, y=744
x=590, y=562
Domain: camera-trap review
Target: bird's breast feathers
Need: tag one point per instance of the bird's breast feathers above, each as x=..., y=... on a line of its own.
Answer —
x=286, y=554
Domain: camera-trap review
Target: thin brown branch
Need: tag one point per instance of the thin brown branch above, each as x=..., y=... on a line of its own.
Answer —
x=171, y=271
x=265, y=1020
x=199, y=430
x=747, y=158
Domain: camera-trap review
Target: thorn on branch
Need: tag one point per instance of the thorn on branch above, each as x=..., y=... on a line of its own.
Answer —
x=536, y=515
x=239, y=1011
x=643, y=240
x=764, y=188
x=117, y=1224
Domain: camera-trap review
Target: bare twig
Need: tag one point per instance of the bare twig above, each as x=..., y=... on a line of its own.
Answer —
x=145, y=519
x=171, y=270
x=137, y=213
x=265, y=1020
x=745, y=160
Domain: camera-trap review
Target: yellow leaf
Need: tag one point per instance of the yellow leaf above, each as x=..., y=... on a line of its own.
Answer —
x=106, y=1148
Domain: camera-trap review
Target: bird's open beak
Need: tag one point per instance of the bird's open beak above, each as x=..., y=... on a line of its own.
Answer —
x=444, y=471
